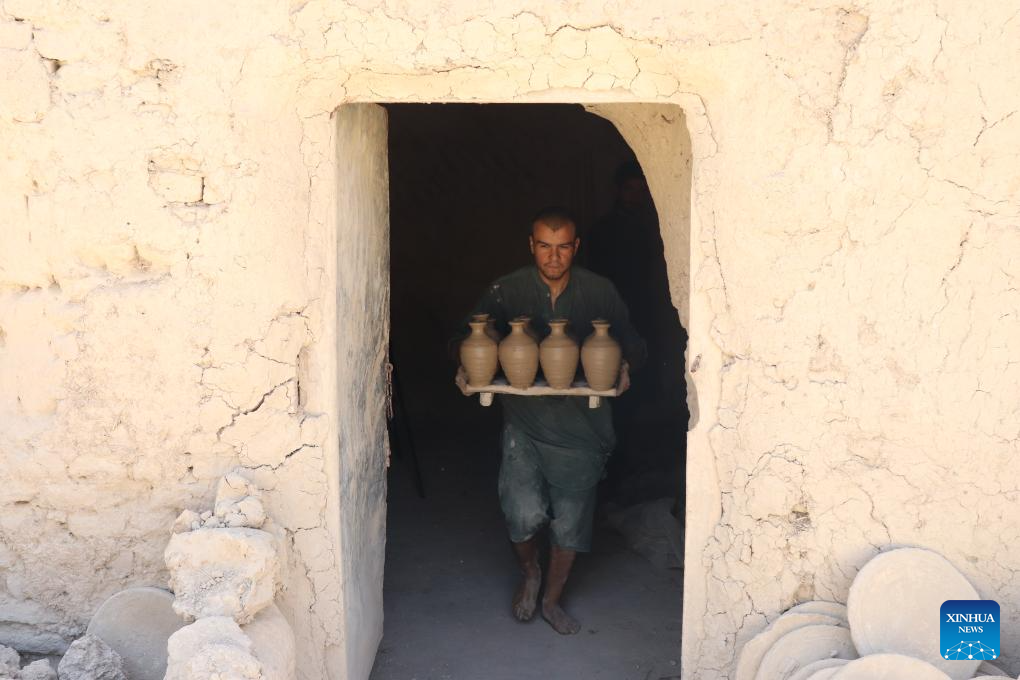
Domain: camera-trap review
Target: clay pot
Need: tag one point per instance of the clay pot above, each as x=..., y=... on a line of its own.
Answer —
x=601, y=357
x=478, y=355
x=528, y=328
x=490, y=326
x=518, y=355
x=558, y=355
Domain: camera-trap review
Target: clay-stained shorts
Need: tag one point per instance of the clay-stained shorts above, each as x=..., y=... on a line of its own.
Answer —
x=543, y=484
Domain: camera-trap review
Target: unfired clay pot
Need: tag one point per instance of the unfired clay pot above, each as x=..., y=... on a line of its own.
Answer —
x=600, y=357
x=490, y=326
x=558, y=355
x=518, y=355
x=528, y=328
x=478, y=355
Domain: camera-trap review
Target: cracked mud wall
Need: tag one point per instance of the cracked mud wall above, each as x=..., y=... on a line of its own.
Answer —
x=168, y=281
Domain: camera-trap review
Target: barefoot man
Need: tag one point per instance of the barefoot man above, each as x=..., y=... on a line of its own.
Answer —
x=554, y=448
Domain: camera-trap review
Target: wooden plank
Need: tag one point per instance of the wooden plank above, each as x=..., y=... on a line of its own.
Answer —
x=541, y=388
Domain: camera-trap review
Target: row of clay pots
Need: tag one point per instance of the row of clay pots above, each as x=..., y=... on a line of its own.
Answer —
x=520, y=355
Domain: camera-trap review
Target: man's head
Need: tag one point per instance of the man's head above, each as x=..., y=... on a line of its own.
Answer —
x=553, y=242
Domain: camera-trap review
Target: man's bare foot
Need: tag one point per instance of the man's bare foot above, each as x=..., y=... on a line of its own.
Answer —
x=562, y=622
x=526, y=597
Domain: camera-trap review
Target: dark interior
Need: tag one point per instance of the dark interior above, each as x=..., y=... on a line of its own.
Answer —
x=465, y=181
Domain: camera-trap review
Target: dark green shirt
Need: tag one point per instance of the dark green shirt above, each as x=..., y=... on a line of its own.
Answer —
x=563, y=421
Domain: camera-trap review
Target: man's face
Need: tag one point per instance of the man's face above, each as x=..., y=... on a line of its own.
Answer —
x=553, y=250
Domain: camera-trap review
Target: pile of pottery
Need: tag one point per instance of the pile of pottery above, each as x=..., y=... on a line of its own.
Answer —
x=888, y=629
x=520, y=354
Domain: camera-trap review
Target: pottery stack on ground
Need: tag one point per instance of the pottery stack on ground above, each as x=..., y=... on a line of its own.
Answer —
x=600, y=357
x=891, y=620
x=558, y=355
x=478, y=355
x=518, y=355
x=894, y=602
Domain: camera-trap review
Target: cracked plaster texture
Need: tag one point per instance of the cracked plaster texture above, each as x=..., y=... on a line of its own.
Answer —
x=845, y=263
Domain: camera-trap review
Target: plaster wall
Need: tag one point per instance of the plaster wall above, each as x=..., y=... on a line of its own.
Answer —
x=169, y=280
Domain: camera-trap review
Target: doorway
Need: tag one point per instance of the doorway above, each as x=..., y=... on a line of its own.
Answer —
x=464, y=181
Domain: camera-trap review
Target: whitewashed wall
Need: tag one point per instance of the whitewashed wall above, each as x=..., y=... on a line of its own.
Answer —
x=168, y=184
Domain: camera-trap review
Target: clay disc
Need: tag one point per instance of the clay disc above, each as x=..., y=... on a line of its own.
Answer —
x=989, y=668
x=809, y=670
x=802, y=646
x=894, y=606
x=756, y=648
x=825, y=673
x=889, y=667
x=136, y=623
x=833, y=609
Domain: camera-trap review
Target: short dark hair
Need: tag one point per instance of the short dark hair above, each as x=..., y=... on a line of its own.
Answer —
x=555, y=217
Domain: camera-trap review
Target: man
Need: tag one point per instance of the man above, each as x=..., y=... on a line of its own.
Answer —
x=554, y=448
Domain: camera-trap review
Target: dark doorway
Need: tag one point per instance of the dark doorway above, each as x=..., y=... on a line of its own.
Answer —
x=464, y=183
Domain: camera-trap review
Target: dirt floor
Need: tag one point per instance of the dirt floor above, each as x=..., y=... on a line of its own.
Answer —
x=450, y=576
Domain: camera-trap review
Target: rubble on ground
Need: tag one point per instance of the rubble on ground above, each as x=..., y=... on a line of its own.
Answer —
x=89, y=658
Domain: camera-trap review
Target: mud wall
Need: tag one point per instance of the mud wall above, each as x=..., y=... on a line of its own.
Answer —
x=168, y=280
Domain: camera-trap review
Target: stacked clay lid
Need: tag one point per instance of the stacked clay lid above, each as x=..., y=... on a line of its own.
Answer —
x=888, y=630
x=805, y=634
x=894, y=607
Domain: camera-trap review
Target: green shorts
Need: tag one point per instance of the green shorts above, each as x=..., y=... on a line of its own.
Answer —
x=542, y=484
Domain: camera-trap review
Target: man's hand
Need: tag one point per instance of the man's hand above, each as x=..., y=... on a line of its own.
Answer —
x=461, y=380
x=623, y=382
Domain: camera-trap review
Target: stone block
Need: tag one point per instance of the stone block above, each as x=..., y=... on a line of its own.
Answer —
x=212, y=647
x=89, y=658
x=28, y=637
x=10, y=660
x=188, y=520
x=222, y=572
x=38, y=670
x=232, y=487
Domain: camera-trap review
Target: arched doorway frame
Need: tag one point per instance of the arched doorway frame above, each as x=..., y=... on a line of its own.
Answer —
x=671, y=138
